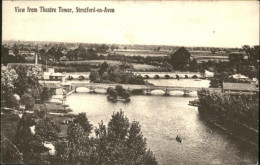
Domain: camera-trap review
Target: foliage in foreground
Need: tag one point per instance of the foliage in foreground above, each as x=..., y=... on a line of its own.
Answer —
x=120, y=142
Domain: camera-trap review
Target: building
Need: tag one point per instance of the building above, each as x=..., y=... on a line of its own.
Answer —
x=239, y=88
x=239, y=77
x=51, y=75
x=208, y=74
x=56, y=76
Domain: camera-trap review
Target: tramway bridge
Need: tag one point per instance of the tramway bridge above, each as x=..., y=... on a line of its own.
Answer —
x=145, y=75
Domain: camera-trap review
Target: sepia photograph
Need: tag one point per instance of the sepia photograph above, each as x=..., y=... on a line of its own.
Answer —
x=130, y=82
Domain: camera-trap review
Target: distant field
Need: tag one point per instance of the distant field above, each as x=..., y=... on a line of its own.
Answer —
x=143, y=53
x=92, y=62
x=146, y=53
x=110, y=62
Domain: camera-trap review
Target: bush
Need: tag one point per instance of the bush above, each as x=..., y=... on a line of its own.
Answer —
x=119, y=89
x=126, y=94
x=112, y=92
x=27, y=100
x=11, y=101
x=45, y=94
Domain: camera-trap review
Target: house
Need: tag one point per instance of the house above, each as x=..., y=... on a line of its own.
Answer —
x=239, y=88
x=239, y=77
x=56, y=76
x=208, y=74
x=51, y=75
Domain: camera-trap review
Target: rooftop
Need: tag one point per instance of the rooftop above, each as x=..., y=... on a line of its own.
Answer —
x=239, y=86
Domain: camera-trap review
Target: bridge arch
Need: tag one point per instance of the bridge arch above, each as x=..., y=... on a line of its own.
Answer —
x=146, y=76
x=156, y=76
x=82, y=89
x=81, y=77
x=194, y=76
x=167, y=76
x=70, y=78
x=157, y=92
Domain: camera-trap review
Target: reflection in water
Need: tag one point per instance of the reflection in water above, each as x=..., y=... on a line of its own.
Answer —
x=162, y=118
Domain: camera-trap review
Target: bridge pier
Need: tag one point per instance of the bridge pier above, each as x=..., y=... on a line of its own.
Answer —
x=167, y=92
x=148, y=91
x=186, y=92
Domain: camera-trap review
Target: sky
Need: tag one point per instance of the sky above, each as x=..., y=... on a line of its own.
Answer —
x=189, y=23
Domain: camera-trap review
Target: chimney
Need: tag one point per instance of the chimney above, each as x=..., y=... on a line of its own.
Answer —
x=36, y=58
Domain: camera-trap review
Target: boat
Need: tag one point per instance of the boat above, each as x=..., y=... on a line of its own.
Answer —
x=194, y=103
x=178, y=139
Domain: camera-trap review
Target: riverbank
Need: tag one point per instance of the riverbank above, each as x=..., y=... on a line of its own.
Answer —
x=235, y=129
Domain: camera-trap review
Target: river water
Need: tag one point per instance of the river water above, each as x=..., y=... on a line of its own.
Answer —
x=180, y=83
x=162, y=119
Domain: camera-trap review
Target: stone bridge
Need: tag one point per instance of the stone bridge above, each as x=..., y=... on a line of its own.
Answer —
x=145, y=75
x=146, y=88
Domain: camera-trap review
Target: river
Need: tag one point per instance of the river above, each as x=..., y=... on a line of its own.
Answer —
x=180, y=83
x=162, y=119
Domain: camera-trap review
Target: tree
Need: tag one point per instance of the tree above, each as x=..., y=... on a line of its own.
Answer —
x=28, y=79
x=27, y=100
x=119, y=89
x=94, y=76
x=235, y=58
x=47, y=130
x=62, y=152
x=10, y=101
x=26, y=142
x=5, y=57
x=253, y=53
x=180, y=58
x=102, y=49
x=126, y=94
x=103, y=68
x=213, y=50
x=193, y=66
x=42, y=53
x=112, y=47
x=121, y=143
x=82, y=119
x=118, y=126
x=16, y=50
x=112, y=92
x=8, y=77
x=52, y=52
x=78, y=145
x=45, y=94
